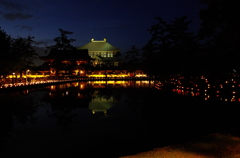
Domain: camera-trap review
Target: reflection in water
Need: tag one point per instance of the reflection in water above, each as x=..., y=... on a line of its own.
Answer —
x=208, y=89
x=73, y=118
x=92, y=119
x=16, y=108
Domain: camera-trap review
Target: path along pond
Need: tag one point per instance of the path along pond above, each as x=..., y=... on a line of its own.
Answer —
x=105, y=118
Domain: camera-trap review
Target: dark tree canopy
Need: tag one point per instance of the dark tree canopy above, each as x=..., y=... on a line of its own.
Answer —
x=171, y=48
x=220, y=29
x=133, y=59
x=16, y=53
x=63, y=42
x=24, y=53
x=5, y=53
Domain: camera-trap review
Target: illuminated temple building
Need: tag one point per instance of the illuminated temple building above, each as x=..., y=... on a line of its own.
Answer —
x=96, y=57
x=103, y=52
x=67, y=62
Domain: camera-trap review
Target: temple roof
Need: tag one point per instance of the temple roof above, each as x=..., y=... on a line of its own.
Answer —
x=67, y=55
x=102, y=45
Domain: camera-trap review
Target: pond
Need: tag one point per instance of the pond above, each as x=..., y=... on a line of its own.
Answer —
x=102, y=118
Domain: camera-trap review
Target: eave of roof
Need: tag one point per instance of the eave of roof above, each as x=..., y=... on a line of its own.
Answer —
x=99, y=46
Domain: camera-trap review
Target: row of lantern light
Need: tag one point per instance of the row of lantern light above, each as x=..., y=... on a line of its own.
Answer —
x=206, y=91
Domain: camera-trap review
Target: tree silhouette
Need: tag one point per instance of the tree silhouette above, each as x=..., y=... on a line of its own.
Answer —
x=23, y=53
x=157, y=48
x=171, y=47
x=5, y=59
x=220, y=29
x=63, y=42
x=133, y=59
x=184, y=44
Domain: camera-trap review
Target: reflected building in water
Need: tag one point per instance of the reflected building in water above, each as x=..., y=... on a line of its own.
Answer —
x=97, y=96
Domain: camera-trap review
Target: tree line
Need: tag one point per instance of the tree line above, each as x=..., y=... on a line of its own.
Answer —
x=174, y=49
x=17, y=54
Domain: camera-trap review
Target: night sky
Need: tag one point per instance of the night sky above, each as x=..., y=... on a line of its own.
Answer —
x=122, y=22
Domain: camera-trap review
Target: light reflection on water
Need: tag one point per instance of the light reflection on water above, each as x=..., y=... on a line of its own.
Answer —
x=76, y=117
x=208, y=89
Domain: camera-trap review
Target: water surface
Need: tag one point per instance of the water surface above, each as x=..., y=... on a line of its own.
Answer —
x=104, y=119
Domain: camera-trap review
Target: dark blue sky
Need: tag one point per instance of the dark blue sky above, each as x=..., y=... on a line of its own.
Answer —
x=122, y=22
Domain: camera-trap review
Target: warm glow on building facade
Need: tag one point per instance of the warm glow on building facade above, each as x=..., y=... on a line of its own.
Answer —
x=100, y=51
